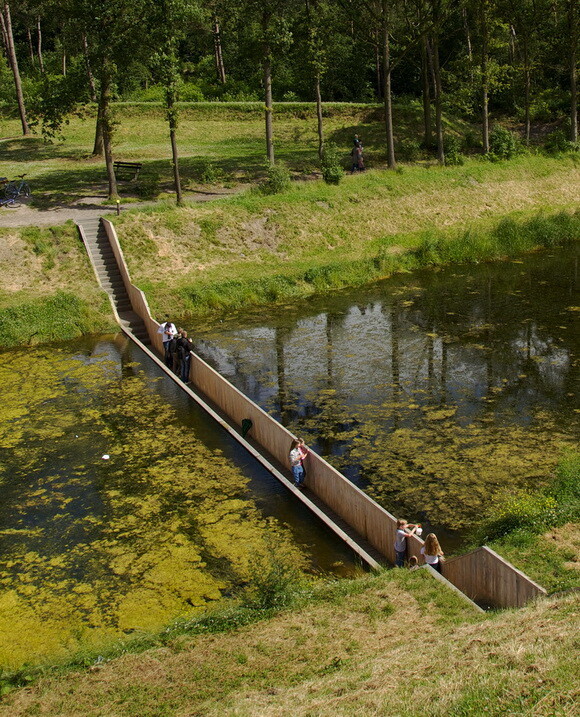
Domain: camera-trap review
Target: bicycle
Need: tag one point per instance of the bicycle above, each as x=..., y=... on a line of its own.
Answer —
x=15, y=189
x=9, y=202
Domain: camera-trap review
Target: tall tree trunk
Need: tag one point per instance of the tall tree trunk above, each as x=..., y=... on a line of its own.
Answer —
x=172, y=119
x=527, y=89
x=319, y=115
x=573, y=30
x=484, y=77
x=39, y=45
x=90, y=76
x=467, y=35
x=217, y=47
x=378, y=67
x=438, y=103
x=98, y=148
x=426, y=92
x=388, y=97
x=11, y=52
x=30, y=48
x=64, y=63
x=267, y=68
x=107, y=126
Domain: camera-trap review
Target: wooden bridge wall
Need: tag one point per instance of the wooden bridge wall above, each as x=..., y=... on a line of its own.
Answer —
x=482, y=575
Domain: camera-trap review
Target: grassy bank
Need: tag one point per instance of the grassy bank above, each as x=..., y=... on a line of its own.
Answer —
x=398, y=642
x=254, y=249
x=540, y=532
x=47, y=287
x=229, y=136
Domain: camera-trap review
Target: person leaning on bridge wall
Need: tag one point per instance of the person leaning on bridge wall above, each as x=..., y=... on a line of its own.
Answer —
x=432, y=552
x=404, y=530
x=298, y=453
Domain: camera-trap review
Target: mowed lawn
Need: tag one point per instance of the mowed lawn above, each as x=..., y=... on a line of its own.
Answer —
x=230, y=137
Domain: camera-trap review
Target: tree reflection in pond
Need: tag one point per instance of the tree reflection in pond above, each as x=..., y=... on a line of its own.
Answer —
x=436, y=391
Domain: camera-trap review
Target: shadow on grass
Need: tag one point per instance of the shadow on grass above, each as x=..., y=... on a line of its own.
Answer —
x=36, y=149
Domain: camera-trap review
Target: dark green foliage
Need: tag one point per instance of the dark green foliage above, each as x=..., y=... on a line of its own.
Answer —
x=534, y=512
x=410, y=150
x=278, y=179
x=557, y=142
x=452, y=146
x=332, y=170
x=148, y=185
x=503, y=144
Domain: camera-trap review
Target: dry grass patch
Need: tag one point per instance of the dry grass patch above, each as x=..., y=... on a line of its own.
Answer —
x=386, y=650
x=566, y=537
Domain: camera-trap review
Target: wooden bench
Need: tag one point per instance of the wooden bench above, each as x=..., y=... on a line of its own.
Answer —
x=127, y=170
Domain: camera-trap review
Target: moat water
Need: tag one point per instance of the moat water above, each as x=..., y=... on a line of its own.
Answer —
x=124, y=506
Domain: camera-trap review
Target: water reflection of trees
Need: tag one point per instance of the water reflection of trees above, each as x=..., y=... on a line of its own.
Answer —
x=492, y=347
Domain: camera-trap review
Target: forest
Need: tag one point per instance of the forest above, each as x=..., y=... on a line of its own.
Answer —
x=481, y=60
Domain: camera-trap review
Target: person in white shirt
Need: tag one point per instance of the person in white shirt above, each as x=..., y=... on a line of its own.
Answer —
x=404, y=529
x=298, y=453
x=169, y=332
x=432, y=552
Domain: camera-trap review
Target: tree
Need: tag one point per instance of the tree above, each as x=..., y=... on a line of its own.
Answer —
x=8, y=38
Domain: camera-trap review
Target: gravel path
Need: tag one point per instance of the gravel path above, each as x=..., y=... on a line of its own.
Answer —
x=88, y=208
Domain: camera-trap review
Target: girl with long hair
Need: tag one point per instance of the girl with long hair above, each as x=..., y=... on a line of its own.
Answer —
x=432, y=552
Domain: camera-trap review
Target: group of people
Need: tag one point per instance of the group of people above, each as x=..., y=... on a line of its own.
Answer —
x=177, y=349
x=431, y=550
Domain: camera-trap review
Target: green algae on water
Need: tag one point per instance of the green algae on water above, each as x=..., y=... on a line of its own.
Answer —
x=93, y=549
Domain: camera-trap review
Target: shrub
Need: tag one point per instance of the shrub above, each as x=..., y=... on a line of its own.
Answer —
x=209, y=172
x=273, y=585
x=557, y=142
x=148, y=186
x=410, y=150
x=452, y=147
x=332, y=171
x=278, y=179
x=531, y=512
x=503, y=144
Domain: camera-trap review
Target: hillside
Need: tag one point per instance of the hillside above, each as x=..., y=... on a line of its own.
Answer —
x=397, y=643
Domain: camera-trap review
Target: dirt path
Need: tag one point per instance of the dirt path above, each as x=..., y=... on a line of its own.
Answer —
x=26, y=215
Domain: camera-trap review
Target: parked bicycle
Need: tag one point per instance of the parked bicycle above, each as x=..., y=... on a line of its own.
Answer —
x=9, y=202
x=16, y=188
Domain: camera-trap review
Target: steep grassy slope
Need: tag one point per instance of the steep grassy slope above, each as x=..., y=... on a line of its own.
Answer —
x=398, y=643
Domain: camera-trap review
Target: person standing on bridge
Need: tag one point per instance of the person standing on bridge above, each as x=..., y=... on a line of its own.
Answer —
x=404, y=530
x=432, y=552
x=298, y=453
x=184, y=352
x=168, y=331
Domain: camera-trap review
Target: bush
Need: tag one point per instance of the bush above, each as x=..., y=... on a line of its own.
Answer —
x=410, y=150
x=452, y=148
x=557, y=142
x=273, y=585
x=278, y=179
x=148, y=186
x=503, y=144
x=209, y=172
x=531, y=512
x=332, y=170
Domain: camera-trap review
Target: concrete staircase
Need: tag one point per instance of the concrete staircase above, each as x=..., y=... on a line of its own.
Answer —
x=110, y=277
